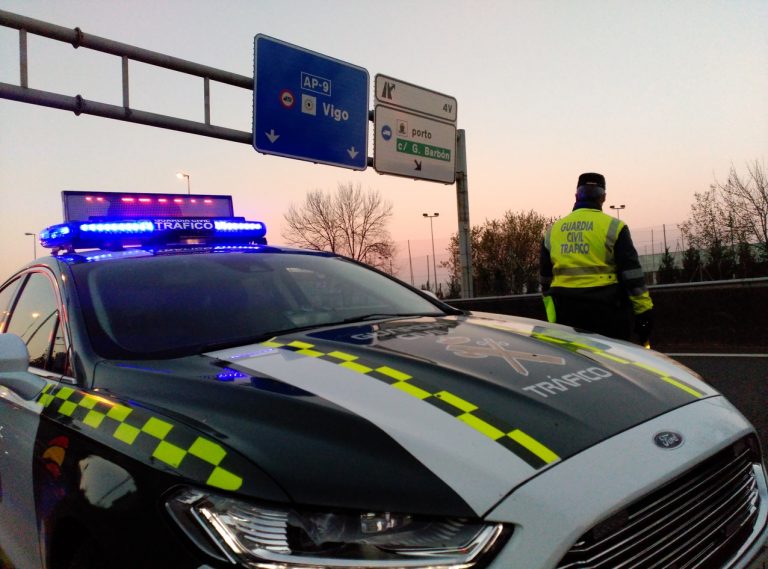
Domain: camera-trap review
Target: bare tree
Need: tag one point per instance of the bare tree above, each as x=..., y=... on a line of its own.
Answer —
x=313, y=224
x=746, y=198
x=708, y=223
x=350, y=222
x=728, y=220
x=710, y=228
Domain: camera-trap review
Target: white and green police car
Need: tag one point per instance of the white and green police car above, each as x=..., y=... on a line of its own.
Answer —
x=177, y=393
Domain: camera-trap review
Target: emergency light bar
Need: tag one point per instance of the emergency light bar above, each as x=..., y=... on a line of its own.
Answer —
x=89, y=227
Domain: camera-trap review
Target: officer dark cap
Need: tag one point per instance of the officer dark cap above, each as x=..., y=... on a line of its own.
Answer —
x=590, y=186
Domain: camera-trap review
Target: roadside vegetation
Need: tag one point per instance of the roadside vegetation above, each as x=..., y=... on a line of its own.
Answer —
x=724, y=237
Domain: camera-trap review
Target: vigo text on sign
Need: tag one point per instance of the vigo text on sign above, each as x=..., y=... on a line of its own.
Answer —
x=396, y=93
x=309, y=106
x=415, y=146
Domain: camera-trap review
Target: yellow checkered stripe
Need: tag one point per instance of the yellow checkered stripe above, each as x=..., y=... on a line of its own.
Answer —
x=514, y=439
x=143, y=435
x=575, y=345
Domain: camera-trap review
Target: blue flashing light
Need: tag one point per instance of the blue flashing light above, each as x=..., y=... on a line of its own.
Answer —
x=71, y=259
x=90, y=257
x=112, y=221
x=117, y=233
x=238, y=248
x=129, y=227
x=224, y=225
x=230, y=374
x=55, y=232
x=56, y=235
x=94, y=256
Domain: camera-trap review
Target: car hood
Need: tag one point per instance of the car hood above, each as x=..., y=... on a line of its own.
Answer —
x=429, y=415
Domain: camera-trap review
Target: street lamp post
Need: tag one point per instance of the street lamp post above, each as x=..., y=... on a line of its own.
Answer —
x=432, y=233
x=181, y=176
x=618, y=209
x=34, y=244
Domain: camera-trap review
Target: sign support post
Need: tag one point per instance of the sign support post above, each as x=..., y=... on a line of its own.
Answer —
x=462, y=203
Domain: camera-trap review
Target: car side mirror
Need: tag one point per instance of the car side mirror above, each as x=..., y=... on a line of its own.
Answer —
x=14, y=361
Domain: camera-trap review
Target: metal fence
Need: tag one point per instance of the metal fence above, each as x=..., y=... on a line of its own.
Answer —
x=651, y=242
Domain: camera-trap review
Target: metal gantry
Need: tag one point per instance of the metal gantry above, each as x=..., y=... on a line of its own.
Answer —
x=79, y=105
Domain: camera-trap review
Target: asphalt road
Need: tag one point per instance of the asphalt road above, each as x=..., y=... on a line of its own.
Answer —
x=743, y=380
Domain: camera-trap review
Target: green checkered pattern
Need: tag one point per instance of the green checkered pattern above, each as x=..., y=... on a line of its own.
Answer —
x=514, y=439
x=159, y=440
x=575, y=344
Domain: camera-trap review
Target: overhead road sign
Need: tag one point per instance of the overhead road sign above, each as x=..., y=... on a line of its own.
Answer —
x=415, y=146
x=396, y=93
x=309, y=106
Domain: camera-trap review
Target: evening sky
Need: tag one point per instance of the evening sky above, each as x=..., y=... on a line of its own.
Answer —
x=661, y=97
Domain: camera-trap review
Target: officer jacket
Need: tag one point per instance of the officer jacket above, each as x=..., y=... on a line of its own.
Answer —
x=589, y=253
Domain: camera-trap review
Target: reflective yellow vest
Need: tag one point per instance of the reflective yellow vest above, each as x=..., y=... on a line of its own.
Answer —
x=581, y=248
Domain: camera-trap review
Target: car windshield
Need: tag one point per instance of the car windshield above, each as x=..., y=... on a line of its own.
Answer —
x=171, y=305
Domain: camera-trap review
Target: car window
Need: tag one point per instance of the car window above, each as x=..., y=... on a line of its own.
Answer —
x=58, y=361
x=6, y=297
x=35, y=318
x=186, y=303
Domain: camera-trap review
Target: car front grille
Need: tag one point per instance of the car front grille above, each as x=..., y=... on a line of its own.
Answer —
x=701, y=519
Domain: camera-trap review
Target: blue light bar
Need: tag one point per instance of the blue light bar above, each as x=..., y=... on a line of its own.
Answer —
x=55, y=234
x=113, y=220
x=116, y=233
x=129, y=227
x=237, y=226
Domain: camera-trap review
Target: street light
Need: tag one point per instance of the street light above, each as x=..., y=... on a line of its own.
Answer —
x=181, y=176
x=618, y=209
x=434, y=265
x=34, y=244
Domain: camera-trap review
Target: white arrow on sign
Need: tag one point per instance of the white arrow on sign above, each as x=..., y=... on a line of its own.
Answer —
x=272, y=136
x=352, y=152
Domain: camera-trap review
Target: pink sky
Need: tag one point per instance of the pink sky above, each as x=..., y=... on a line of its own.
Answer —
x=662, y=98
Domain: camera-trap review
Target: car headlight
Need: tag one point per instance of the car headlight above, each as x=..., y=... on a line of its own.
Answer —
x=269, y=537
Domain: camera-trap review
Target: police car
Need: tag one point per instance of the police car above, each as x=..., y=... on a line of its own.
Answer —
x=177, y=393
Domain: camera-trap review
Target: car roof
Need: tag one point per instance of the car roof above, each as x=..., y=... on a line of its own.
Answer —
x=99, y=255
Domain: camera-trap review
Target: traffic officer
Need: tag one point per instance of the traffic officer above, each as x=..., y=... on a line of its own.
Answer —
x=590, y=274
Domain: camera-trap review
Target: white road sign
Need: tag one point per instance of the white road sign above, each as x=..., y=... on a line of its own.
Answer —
x=415, y=146
x=396, y=93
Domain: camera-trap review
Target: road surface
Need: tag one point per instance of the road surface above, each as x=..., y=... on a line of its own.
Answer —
x=742, y=379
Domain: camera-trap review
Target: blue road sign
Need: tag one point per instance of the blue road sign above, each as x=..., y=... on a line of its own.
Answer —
x=309, y=106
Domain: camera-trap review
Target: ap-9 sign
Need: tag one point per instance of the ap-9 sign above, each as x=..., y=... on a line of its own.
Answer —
x=309, y=106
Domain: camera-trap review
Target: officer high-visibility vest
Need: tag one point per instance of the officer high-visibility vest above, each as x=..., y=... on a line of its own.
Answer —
x=581, y=248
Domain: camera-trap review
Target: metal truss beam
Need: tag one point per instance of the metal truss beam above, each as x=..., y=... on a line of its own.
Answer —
x=77, y=38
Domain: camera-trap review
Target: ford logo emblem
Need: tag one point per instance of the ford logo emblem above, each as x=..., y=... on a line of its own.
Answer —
x=668, y=440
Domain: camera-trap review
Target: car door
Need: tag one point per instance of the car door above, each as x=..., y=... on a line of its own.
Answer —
x=33, y=315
